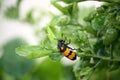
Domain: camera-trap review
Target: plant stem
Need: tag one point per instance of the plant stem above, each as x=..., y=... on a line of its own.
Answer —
x=100, y=57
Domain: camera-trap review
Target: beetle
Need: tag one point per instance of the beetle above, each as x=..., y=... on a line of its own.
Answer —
x=66, y=50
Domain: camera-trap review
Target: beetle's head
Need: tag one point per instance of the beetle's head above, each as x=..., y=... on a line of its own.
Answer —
x=61, y=41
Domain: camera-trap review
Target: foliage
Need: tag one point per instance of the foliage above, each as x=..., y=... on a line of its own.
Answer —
x=13, y=64
x=95, y=33
x=33, y=51
x=51, y=70
x=13, y=12
x=15, y=67
x=103, y=22
x=30, y=17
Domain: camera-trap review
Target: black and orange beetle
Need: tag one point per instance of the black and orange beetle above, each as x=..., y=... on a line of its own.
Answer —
x=66, y=50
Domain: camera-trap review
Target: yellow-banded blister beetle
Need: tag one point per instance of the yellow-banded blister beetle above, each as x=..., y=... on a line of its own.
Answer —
x=66, y=50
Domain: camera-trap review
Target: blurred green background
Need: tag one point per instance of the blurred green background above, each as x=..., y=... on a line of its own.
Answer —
x=20, y=24
x=35, y=24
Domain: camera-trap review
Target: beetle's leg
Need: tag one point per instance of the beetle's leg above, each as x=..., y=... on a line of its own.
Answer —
x=64, y=40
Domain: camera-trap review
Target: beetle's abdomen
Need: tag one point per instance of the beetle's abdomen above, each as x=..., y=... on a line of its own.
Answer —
x=68, y=53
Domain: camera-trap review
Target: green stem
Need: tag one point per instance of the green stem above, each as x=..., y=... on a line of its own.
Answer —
x=76, y=24
x=100, y=57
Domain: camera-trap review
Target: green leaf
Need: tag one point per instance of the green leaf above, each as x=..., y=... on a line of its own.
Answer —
x=75, y=7
x=29, y=17
x=97, y=22
x=12, y=12
x=14, y=65
x=51, y=35
x=62, y=9
x=64, y=20
x=110, y=36
x=116, y=50
x=90, y=30
x=33, y=51
x=56, y=56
